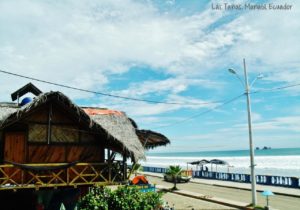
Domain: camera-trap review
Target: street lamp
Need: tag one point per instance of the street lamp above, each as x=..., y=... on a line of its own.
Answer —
x=247, y=92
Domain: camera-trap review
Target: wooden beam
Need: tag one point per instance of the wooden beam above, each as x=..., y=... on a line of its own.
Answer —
x=49, y=124
x=109, y=164
x=124, y=166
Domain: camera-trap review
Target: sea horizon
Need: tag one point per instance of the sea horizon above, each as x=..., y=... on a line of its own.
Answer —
x=229, y=153
x=277, y=161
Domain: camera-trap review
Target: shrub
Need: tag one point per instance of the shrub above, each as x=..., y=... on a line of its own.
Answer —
x=124, y=198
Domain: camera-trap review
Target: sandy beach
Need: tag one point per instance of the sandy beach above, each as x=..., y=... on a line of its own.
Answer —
x=231, y=194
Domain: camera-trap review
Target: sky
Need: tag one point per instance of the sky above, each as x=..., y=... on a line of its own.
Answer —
x=170, y=51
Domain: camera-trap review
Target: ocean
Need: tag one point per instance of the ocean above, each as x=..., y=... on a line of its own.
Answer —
x=281, y=162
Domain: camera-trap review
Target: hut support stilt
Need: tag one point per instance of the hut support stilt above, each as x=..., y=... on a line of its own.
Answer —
x=124, y=166
x=109, y=164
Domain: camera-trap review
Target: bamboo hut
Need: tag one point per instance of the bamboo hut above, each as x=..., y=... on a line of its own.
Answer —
x=51, y=142
x=51, y=145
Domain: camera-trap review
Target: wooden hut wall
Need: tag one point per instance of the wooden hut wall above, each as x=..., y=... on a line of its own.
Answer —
x=1, y=146
x=65, y=140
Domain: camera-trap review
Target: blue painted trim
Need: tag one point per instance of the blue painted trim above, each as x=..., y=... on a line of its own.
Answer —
x=282, y=181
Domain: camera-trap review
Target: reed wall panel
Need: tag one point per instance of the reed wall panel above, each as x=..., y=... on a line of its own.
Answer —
x=63, y=133
x=37, y=133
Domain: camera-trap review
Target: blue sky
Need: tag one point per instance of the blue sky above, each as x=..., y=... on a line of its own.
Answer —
x=171, y=51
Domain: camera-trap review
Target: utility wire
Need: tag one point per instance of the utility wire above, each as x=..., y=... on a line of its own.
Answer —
x=107, y=94
x=226, y=102
x=201, y=113
x=276, y=88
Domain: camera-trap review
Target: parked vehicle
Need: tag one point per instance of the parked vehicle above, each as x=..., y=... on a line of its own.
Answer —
x=176, y=175
x=180, y=178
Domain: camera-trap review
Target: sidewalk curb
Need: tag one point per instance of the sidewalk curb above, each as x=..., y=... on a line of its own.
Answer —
x=241, y=188
x=230, y=204
x=221, y=201
x=232, y=187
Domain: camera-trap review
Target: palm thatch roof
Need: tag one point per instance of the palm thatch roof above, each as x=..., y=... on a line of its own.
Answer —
x=213, y=161
x=7, y=109
x=199, y=162
x=151, y=139
x=148, y=138
x=117, y=128
x=117, y=124
x=218, y=162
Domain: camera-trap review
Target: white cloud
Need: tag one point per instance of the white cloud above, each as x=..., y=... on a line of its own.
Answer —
x=274, y=47
x=58, y=41
x=85, y=43
x=148, y=109
x=172, y=85
x=273, y=125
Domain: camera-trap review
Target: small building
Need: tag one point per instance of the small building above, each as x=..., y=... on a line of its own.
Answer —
x=50, y=142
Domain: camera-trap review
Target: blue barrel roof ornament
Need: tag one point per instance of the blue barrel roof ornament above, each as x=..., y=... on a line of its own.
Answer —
x=25, y=101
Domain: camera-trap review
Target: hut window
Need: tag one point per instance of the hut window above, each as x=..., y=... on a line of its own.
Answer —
x=37, y=133
x=68, y=134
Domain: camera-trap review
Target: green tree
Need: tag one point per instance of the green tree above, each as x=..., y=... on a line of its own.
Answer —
x=123, y=198
x=134, y=169
x=175, y=172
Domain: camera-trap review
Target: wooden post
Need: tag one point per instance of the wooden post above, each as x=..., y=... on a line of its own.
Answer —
x=109, y=164
x=124, y=166
x=49, y=124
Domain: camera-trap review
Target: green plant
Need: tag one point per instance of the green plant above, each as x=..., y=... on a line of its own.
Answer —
x=95, y=199
x=174, y=171
x=134, y=169
x=124, y=198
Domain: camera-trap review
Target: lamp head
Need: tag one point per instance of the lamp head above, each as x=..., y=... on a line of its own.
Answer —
x=232, y=71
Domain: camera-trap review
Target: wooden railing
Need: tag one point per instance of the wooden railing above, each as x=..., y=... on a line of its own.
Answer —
x=45, y=175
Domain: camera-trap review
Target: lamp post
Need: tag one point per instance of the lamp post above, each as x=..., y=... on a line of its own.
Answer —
x=247, y=92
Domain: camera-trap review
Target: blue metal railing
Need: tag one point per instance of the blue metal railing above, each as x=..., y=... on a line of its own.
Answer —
x=283, y=181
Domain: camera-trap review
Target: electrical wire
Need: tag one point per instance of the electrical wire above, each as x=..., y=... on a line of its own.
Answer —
x=178, y=122
x=276, y=88
x=226, y=102
x=201, y=113
x=107, y=94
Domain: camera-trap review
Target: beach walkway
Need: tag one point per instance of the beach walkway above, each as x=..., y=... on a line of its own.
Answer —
x=231, y=193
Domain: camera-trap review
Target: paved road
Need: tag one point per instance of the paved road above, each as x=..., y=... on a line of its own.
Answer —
x=183, y=202
x=277, y=201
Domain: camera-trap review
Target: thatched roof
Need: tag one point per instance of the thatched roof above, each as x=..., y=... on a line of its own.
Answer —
x=117, y=128
x=204, y=161
x=148, y=138
x=199, y=162
x=7, y=109
x=151, y=139
x=117, y=124
x=218, y=162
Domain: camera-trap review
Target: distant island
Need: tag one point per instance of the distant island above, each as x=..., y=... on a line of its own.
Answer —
x=264, y=148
